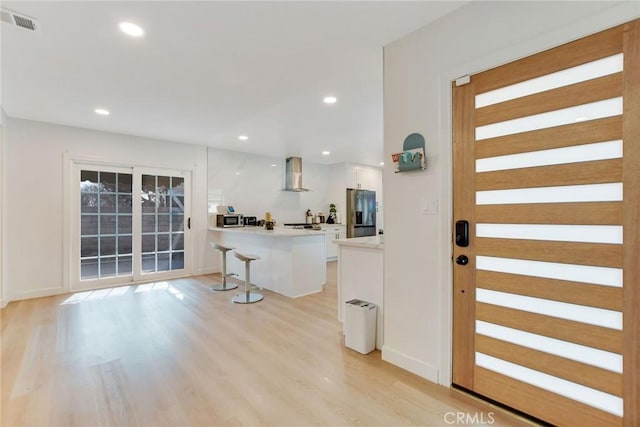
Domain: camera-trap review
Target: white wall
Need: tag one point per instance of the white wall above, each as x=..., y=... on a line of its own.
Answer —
x=253, y=186
x=417, y=98
x=34, y=164
x=2, y=157
x=337, y=191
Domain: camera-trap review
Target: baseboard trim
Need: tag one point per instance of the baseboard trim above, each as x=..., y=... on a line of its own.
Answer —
x=203, y=271
x=40, y=293
x=49, y=292
x=409, y=363
x=304, y=295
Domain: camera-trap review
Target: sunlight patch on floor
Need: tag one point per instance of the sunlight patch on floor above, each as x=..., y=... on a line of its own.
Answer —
x=101, y=294
x=96, y=295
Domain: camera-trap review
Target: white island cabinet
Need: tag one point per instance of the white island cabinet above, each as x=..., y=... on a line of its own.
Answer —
x=360, y=276
x=292, y=262
x=333, y=232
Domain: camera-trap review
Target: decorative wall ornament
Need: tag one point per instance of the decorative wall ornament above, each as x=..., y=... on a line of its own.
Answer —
x=412, y=156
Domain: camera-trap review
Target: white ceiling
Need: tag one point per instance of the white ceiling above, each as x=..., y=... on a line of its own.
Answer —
x=206, y=72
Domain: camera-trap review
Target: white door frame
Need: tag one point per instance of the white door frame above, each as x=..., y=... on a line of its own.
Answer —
x=71, y=233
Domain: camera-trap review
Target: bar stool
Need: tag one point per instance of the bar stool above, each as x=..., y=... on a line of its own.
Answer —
x=224, y=286
x=247, y=297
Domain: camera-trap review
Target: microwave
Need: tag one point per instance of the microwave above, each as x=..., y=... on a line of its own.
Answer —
x=229, y=220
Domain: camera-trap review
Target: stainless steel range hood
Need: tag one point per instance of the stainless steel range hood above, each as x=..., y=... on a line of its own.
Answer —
x=293, y=175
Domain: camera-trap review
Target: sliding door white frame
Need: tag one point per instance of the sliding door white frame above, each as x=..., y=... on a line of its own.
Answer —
x=71, y=220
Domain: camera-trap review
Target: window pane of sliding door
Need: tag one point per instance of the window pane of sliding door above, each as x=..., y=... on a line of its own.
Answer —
x=105, y=224
x=162, y=201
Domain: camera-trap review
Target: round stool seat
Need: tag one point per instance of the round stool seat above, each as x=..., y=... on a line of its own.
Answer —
x=224, y=285
x=246, y=297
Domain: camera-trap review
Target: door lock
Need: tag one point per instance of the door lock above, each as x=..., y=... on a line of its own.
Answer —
x=462, y=260
x=462, y=233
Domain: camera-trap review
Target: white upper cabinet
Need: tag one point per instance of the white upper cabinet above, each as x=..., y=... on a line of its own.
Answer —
x=364, y=177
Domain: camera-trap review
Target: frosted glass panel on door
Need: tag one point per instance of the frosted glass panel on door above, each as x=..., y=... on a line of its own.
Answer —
x=578, y=313
x=556, y=156
x=561, y=233
x=589, y=396
x=591, y=70
x=606, y=276
x=580, y=353
x=591, y=111
x=569, y=193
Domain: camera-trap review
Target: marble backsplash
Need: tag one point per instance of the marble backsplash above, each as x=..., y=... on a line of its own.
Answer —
x=253, y=185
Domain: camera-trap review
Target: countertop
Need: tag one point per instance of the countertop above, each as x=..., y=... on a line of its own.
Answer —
x=276, y=232
x=362, y=242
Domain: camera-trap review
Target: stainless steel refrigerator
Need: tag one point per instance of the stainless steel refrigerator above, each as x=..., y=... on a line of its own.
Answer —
x=361, y=213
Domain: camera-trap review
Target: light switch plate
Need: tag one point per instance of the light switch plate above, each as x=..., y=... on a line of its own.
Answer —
x=429, y=206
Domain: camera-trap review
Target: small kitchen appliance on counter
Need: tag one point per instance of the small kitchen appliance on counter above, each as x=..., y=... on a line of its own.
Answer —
x=229, y=220
x=250, y=221
x=227, y=217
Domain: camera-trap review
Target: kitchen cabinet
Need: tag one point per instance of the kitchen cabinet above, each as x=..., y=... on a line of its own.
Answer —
x=292, y=262
x=363, y=177
x=333, y=232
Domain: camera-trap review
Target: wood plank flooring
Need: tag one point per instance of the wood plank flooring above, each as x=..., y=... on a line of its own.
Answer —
x=176, y=354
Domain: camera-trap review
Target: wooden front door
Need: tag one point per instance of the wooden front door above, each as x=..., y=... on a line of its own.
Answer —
x=547, y=177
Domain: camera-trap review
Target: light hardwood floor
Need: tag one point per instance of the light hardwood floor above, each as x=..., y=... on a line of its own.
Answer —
x=175, y=354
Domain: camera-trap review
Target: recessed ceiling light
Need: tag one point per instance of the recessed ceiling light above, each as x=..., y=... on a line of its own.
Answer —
x=381, y=163
x=274, y=165
x=131, y=29
x=243, y=137
x=326, y=153
x=237, y=173
x=330, y=100
x=102, y=111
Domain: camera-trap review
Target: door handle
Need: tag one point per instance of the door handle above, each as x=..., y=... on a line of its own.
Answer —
x=189, y=223
x=462, y=260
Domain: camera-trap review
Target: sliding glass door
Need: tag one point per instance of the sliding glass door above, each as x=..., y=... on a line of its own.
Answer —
x=105, y=224
x=162, y=198
x=128, y=224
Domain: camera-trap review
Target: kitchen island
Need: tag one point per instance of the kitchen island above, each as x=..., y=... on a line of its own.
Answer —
x=292, y=262
x=360, y=276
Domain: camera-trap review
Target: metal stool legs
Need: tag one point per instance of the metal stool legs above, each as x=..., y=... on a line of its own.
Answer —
x=247, y=297
x=224, y=286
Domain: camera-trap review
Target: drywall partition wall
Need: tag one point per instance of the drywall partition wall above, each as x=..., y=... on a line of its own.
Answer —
x=253, y=185
x=35, y=156
x=417, y=98
x=2, y=144
x=337, y=193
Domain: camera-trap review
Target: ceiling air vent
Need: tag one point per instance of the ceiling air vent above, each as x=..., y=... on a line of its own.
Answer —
x=18, y=20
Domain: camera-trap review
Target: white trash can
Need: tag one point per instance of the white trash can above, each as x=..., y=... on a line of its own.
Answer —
x=360, y=326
